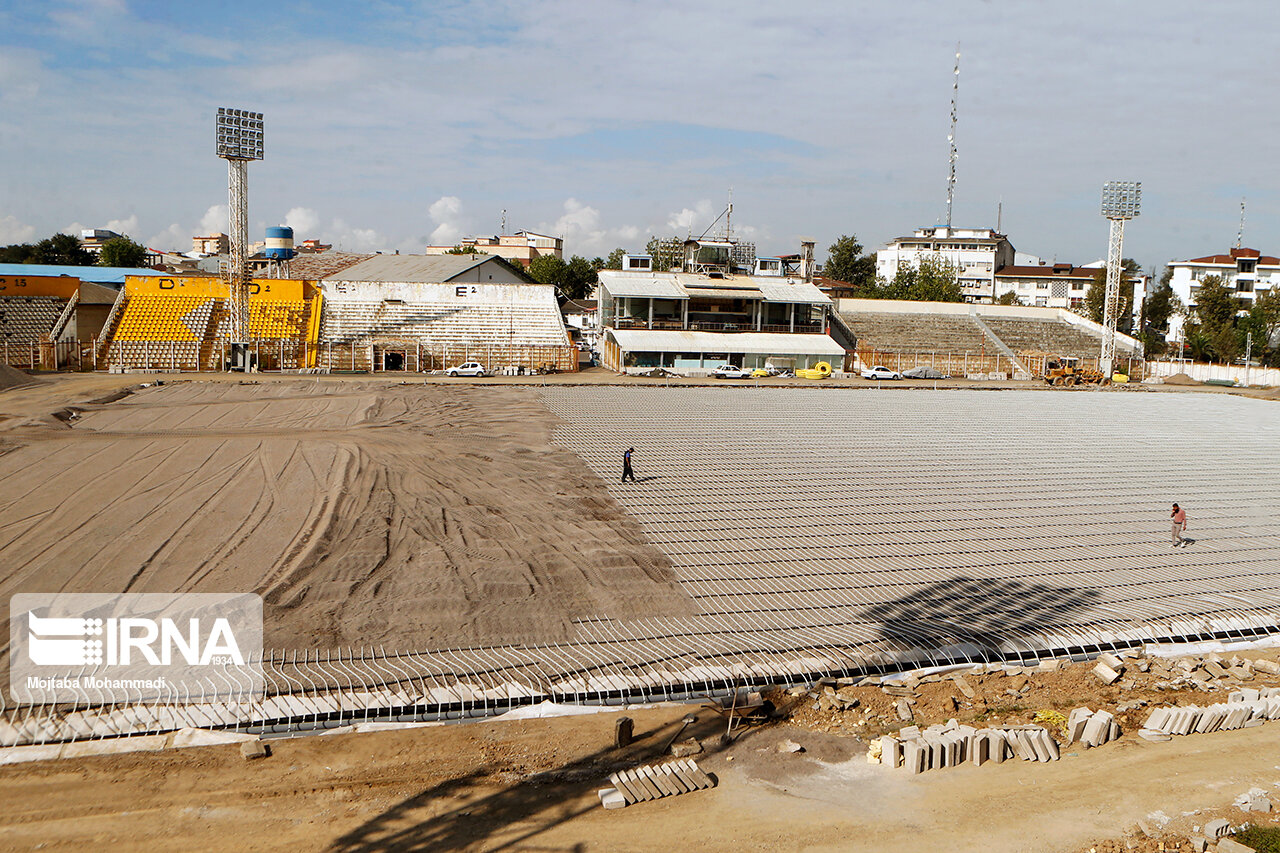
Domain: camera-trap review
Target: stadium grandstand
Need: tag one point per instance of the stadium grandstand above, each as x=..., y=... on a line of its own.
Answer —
x=180, y=324
x=409, y=312
x=44, y=318
x=966, y=339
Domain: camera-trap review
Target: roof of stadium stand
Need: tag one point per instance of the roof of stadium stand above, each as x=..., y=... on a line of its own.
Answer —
x=678, y=285
x=767, y=343
x=97, y=275
x=418, y=268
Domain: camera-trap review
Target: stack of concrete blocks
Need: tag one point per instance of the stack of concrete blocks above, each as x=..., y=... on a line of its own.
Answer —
x=1091, y=728
x=952, y=744
x=653, y=783
x=1244, y=709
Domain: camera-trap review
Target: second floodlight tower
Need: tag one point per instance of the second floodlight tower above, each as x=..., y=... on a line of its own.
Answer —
x=1121, y=201
x=239, y=141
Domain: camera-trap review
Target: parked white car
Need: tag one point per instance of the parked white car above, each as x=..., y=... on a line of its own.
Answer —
x=731, y=371
x=471, y=368
x=881, y=372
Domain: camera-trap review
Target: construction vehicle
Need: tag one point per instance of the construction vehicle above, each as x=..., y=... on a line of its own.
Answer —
x=1064, y=370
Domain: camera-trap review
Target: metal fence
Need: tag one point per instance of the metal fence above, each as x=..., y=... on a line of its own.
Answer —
x=984, y=362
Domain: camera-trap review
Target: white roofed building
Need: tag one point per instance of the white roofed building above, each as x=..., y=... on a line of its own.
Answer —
x=976, y=254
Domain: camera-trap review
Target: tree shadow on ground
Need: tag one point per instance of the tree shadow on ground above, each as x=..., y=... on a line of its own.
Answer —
x=455, y=815
x=994, y=617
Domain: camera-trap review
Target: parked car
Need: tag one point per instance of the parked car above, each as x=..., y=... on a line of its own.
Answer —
x=923, y=373
x=881, y=372
x=471, y=368
x=731, y=371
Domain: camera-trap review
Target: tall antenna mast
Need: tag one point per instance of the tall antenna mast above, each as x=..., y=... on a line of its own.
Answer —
x=951, y=138
x=728, y=217
x=1240, y=233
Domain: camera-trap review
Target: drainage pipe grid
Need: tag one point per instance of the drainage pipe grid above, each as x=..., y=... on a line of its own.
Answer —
x=905, y=534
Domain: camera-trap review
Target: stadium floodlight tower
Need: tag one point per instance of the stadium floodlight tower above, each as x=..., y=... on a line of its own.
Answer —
x=239, y=135
x=1121, y=201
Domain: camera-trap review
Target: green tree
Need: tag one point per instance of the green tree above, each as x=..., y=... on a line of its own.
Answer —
x=547, y=269
x=1215, y=314
x=1157, y=308
x=614, y=261
x=597, y=263
x=18, y=253
x=579, y=278
x=933, y=279
x=464, y=250
x=1096, y=297
x=1009, y=297
x=845, y=262
x=59, y=249
x=667, y=254
x=122, y=252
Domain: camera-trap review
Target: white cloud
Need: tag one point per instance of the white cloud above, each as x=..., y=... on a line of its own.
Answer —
x=349, y=239
x=175, y=238
x=694, y=221
x=13, y=231
x=450, y=225
x=304, y=221
x=215, y=220
x=128, y=227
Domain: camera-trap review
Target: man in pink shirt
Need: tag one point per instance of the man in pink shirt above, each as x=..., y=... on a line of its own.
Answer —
x=1179, y=516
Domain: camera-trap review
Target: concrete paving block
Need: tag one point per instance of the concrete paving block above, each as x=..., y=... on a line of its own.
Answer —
x=997, y=746
x=1040, y=742
x=891, y=751
x=1198, y=844
x=1152, y=735
x=964, y=686
x=619, y=781
x=635, y=783
x=251, y=750
x=1259, y=804
x=1076, y=721
x=1227, y=845
x=675, y=779
x=1253, y=723
x=1113, y=731
x=612, y=798
x=909, y=732
x=658, y=778
x=979, y=748
x=1267, y=665
x=651, y=786
x=1216, y=829
x=915, y=756
x=1022, y=746
x=1097, y=729
x=1052, y=745
x=1157, y=720
x=696, y=774
x=1106, y=674
x=1110, y=660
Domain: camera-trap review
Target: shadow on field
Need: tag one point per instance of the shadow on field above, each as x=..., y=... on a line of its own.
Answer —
x=997, y=615
x=459, y=813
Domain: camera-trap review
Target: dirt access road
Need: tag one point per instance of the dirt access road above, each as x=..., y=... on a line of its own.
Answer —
x=530, y=785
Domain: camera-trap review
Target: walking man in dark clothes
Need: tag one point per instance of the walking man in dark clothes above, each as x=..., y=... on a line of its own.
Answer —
x=627, y=473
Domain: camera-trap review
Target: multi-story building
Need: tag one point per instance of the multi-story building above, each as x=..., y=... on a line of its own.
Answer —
x=521, y=247
x=976, y=254
x=713, y=312
x=1246, y=272
x=213, y=244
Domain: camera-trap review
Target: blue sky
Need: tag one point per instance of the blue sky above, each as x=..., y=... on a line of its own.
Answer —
x=394, y=125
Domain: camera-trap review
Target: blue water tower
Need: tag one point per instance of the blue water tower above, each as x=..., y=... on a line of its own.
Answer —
x=279, y=243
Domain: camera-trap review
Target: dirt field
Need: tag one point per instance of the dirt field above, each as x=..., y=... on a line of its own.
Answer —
x=365, y=513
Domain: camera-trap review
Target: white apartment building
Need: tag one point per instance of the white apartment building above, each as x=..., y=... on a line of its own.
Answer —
x=976, y=253
x=1245, y=271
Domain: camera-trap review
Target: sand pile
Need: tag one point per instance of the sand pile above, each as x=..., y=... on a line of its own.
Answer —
x=11, y=377
x=406, y=517
x=1180, y=379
